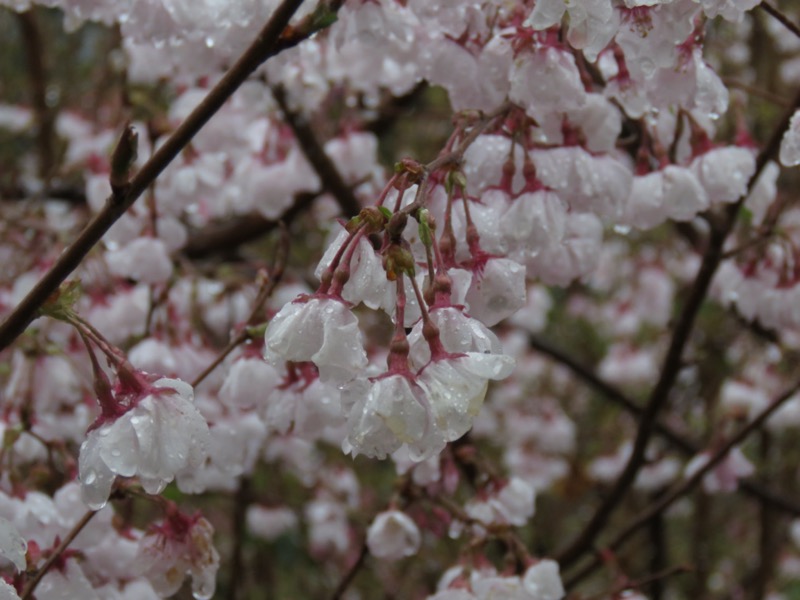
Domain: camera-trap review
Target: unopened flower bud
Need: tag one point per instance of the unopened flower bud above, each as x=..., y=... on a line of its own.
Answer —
x=123, y=158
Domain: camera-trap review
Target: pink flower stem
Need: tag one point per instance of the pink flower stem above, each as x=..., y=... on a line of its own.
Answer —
x=109, y=407
x=341, y=273
x=473, y=237
x=399, y=347
x=125, y=371
x=387, y=188
x=327, y=275
x=447, y=245
x=429, y=330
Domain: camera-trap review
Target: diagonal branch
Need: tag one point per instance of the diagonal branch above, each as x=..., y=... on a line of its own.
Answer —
x=315, y=153
x=754, y=488
x=684, y=487
x=773, y=11
x=272, y=39
x=673, y=361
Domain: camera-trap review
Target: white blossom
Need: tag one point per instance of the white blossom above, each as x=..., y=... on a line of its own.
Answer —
x=393, y=535
x=543, y=581
x=321, y=330
x=161, y=436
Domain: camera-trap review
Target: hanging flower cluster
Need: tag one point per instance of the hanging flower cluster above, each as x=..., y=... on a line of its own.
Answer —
x=438, y=374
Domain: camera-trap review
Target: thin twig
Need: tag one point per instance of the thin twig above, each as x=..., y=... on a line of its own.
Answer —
x=351, y=573
x=755, y=91
x=269, y=42
x=773, y=11
x=673, y=361
x=329, y=175
x=684, y=487
x=34, y=56
x=40, y=573
x=453, y=157
x=267, y=287
x=751, y=487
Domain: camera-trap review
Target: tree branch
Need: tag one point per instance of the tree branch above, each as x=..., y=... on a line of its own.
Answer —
x=328, y=173
x=34, y=55
x=226, y=236
x=271, y=40
x=751, y=487
x=351, y=573
x=56, y=554
x=720, y=227
x=778, y=15
x=684, y=487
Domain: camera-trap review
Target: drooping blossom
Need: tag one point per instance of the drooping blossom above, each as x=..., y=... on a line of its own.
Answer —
x=160, y=434
x=322, y=330
x=181, y=545
x=393, y=535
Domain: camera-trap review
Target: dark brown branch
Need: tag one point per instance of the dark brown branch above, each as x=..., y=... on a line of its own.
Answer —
x=659, y=555
x=609, y=391
x=57, y=553
x=351, y=573
x=271, y=40
x=227, y=236
x=751, y=487
x=779, y=16
x=721, y=226
x=656, y=402
x=241, y=502
x=34, y=56
x=328, y=173
x=393, y=108
x=684, y=487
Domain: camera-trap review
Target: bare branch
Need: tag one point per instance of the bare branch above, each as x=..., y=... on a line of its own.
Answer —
x=57, y=553
x=673, y=362
x=313, y=151
x=351, y=573
x=270, y=41
x=773, y=11
x=687, y=485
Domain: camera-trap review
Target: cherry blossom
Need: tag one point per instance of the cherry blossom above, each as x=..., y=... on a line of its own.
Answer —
x=790, y=144
x=543, y=581
x=161, y=434
x=531, y=221
x=12, y=544
x=175, y=548
x=392, y=536
x=321, y=330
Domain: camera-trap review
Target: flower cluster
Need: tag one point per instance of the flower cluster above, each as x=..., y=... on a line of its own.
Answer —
x=596, y=216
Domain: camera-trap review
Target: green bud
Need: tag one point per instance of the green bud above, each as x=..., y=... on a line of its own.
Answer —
x=425, y=228
x=61, y=303
x=255, y=332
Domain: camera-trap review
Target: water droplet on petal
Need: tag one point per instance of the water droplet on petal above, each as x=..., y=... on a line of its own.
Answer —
x=622, y=229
